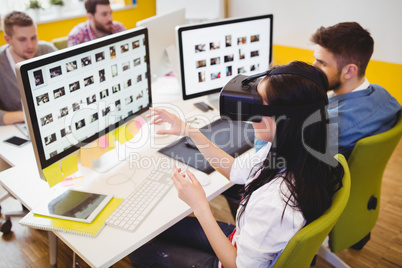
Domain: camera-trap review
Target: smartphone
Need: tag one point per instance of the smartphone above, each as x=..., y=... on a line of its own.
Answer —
x=203, y=106
x=17, y=141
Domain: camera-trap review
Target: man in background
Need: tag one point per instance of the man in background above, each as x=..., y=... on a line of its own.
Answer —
x=359, y=109
x=100, y=23
x=22, y=44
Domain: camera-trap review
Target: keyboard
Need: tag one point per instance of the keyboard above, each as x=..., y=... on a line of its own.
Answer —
x=138, y=205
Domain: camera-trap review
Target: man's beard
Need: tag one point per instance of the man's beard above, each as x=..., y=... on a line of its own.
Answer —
x=336, y=84
x=25, y=57
x=101, y=28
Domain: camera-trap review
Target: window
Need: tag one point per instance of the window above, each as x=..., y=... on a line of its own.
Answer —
x=48, y=13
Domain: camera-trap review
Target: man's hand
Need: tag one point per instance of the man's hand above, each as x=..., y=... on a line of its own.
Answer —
x=13, y=117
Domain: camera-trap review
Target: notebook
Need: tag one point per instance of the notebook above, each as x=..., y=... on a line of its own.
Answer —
x=80, y=228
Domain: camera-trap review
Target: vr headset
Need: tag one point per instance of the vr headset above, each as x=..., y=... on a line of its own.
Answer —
x=240, y=101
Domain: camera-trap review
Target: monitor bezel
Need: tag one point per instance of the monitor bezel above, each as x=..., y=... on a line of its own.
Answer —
x=22, y=69
x=179, y=35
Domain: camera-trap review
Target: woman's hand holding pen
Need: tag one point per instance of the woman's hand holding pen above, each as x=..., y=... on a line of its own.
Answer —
x=178, y=126
x=192, y=192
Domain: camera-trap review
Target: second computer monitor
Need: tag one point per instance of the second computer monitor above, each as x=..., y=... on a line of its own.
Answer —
x=162, y=41
x=212, y=53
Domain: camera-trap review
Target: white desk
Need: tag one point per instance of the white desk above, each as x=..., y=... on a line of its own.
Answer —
x=112, y=244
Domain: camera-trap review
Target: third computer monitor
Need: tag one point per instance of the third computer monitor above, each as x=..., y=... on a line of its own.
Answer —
x=162, y=41
x=210, y=54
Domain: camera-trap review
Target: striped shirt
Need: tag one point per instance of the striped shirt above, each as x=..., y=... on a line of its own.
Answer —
x=83, y=33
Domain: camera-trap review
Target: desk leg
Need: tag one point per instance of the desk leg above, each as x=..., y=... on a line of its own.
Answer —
x=52, y=249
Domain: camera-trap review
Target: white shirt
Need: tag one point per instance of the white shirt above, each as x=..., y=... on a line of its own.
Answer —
x=262, y=234
x=364, y=85
x=11, y=60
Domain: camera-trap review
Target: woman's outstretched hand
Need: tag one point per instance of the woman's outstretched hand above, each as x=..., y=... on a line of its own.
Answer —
x=178, y=126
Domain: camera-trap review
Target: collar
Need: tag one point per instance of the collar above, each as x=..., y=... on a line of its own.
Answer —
x=364, y=85
x=351, y=95
x=90, y=32
x=11, y=60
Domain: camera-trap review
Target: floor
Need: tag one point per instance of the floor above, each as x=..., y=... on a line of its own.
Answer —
x=26, y=247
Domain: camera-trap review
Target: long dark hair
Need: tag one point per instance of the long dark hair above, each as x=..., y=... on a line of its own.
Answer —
x=311, y=181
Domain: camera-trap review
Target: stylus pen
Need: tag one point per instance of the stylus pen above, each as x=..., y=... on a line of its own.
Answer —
x=190, y=145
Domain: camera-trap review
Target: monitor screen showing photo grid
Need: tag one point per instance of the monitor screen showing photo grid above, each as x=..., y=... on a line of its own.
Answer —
x=212, y=53
x=74, y=96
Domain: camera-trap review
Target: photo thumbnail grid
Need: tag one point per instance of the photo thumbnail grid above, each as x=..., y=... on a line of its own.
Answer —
x=85, y=93
x=213, y=53
x=227, y=58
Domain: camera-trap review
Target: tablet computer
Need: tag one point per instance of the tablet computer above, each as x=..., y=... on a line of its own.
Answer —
x=73, y=205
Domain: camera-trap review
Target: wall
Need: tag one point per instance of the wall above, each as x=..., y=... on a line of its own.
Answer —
x=196, y=10
x=129, y=17
x=295, y=21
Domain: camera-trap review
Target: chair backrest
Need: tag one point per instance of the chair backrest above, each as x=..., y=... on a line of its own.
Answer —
x=60, y=42
x=367, y=163
x=302, y=248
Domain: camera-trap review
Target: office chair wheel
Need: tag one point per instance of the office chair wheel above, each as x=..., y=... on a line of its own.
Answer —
x=359, y=245
x=314, y=261
x=5, y=226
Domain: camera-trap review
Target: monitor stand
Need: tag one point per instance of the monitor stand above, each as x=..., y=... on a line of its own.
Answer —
x=172, y=58
x=110, y=159
x=166, y=66
x=213, y=99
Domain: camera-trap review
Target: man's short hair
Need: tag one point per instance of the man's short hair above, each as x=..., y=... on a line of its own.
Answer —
x=90, y=5
x=349, y=43
x=16, y=18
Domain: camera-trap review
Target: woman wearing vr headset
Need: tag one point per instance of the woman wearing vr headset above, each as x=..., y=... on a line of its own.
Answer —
x=287, y=189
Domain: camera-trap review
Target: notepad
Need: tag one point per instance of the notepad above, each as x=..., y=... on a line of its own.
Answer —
x=74, y=227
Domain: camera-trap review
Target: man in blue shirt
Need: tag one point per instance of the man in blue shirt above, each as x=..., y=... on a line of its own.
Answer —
x=357, y=109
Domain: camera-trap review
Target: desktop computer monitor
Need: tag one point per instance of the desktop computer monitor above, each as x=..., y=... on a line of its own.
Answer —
x=73, y=96
x=162, y=45
x=211, y=53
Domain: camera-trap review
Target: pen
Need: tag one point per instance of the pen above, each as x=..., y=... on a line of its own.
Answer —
x=190, y=145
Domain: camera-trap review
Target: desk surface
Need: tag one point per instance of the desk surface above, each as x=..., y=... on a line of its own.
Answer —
x=112, y=244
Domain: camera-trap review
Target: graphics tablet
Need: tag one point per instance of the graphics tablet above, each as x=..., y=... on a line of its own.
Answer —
x=234, y=137
x=73, y=205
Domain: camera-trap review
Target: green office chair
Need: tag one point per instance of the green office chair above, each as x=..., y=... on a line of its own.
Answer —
x=302, y=248
x=60, y=42
x=367, y=163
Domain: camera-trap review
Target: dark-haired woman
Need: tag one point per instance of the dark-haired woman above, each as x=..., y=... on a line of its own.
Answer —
x=286, y=186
